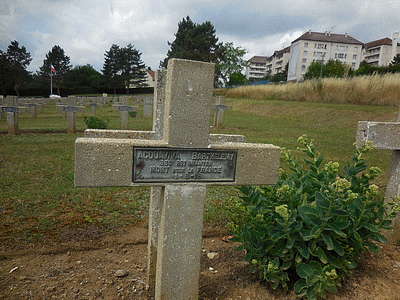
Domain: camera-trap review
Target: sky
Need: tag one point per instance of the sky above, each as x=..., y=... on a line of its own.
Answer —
x=86, y=29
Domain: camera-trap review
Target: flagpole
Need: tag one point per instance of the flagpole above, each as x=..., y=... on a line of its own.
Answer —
x=51, y=82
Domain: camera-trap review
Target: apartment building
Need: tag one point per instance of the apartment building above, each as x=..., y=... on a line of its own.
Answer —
x=262, y=66
x=257, y=67
x=316, y=46
x=381, y=52
x=277, y=62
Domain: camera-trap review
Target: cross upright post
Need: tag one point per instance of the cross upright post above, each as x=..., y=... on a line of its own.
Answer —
x=219, y=110
x=12, y=109
x=182, y=163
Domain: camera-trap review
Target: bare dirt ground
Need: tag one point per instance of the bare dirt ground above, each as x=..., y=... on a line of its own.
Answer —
x=86, y=264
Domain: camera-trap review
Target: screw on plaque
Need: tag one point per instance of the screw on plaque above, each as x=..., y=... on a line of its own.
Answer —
x=139, y=166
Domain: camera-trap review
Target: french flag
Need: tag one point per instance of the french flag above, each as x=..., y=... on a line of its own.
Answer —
x=52, y=68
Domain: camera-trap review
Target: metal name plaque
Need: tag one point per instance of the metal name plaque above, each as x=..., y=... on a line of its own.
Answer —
x=171, y=165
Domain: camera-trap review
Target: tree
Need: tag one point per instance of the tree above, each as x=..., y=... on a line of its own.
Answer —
x=194, y=41
x=61, y=63
x=396, y=60
x=111, y=67
x=236, y=79
x=333, y=68
x=13, y=64
x=83, y=76
x=231, y=62
x=133, y=70
x=123, y=67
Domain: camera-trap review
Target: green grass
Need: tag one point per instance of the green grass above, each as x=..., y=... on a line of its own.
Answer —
x=38, y=199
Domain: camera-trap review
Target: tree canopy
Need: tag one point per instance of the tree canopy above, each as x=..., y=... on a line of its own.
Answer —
x=230, y=63
x=61, y=63
x=199, y=42
x=123, y=67
x=333, y=68
x=13, y=64
x=194, y=41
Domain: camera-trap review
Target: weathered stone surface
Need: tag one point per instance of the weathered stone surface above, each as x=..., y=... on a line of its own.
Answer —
x=384, y=135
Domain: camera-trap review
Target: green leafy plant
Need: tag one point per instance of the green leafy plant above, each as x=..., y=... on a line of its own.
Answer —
x=93, y=122
x=312, y=227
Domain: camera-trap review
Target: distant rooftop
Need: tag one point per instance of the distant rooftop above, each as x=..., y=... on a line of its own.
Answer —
x=328, y=37
x=259, y=59
x=381, y=42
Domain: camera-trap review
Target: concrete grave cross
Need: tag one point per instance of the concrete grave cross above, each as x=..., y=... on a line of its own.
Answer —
x=71, y=108
x=183, y=162
x=124, y=110
x=147, y=106
x=386, y=136
x=219, y=110
x=12, y=109
x=156, y=200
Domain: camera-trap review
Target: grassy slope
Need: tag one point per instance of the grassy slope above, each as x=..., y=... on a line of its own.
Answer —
x=37, y=196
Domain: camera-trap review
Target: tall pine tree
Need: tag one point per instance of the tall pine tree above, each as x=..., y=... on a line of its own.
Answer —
x=194, y=41
x=123, y=67
x=13, y=64
x=61, y=63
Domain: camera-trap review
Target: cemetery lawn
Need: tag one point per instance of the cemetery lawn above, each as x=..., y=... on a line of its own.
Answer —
x=68, y=242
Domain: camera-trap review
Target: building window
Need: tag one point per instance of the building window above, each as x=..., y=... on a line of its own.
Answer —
x=304, y=60
x=305, y=53
x=355, y=56
x=340, y=55
x=303, y=68
x=353, y=65
x=355, y=49
x=305, y=45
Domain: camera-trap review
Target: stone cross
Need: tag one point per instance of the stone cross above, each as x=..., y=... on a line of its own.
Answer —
x=182, y=163
x=147, y=107
x=156, y=200
x=71, y=108
x=124, y=110
x=385, y=135
x=11, y=108
x=219, y=110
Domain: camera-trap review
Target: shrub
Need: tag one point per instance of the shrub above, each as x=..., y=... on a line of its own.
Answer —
x=312, y=227
x=93, y=122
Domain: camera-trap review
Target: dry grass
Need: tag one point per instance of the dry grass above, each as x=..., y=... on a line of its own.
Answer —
x=369, y=90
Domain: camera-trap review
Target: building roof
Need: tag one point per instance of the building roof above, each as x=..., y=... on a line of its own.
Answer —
x=284, y=50
x=151, y=73
x=258, y=59
x=381, y=42
x=328, y=37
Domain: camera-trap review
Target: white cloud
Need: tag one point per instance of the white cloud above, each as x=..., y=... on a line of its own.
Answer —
x=85, y=29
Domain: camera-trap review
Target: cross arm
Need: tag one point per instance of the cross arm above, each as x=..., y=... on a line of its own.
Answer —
x=106, y=162
x=145, y=134
x=257, y=164
x=384, y=135
x=109, y=162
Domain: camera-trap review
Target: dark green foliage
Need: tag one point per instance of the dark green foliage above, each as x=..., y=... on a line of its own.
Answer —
x=395, y=60
x=195, y=42
x=93, y=122
x=332, y=68
x=84, y=76
x=366, y=69
x=312, y=227
x=61, y=63
x=13, y=64
x=123, y=65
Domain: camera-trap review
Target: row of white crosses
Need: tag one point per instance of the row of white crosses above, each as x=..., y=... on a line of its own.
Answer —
x=179, y=158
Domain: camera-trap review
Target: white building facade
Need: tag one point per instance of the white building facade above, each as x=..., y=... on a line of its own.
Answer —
x=381, y=52
x=316, y=46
